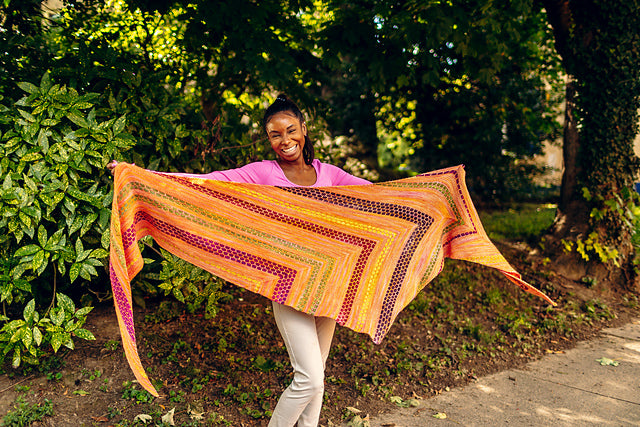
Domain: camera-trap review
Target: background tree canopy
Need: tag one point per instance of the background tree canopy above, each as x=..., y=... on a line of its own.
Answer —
x=391, y=88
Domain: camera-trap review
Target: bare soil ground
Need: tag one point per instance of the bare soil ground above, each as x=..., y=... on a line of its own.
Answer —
x=230, y=370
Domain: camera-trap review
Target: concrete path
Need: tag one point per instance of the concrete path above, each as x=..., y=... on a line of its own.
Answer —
x=568, y=389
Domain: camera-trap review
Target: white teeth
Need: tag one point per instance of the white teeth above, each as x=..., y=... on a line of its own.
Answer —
x=288, y=150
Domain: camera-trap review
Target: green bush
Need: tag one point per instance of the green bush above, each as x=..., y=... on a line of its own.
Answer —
x=54, y=213
x=55, y=201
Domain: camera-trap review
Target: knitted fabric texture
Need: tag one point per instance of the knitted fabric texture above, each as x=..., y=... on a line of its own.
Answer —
x=356, y=254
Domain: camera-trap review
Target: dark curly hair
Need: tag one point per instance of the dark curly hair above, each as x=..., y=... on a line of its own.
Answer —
x=284, y=104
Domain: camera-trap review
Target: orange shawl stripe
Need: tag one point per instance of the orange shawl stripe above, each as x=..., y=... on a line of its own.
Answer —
x=357, y=254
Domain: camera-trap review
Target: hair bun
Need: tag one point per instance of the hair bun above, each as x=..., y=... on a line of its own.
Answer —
x=282, y=97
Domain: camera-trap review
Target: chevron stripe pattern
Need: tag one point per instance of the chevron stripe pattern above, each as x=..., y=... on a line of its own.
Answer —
x=357, y=254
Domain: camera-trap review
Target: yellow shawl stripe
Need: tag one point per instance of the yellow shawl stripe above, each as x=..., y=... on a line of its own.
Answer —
x=357, y=254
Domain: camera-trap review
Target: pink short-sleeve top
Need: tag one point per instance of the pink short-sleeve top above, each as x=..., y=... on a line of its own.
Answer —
x=269, y=172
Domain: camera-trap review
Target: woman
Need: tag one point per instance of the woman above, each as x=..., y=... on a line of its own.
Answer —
x=307, y=338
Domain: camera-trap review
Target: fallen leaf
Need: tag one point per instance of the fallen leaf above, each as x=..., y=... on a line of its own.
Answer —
x=396, y=399
x=195, y=415
x=80, y=392
x=404, y=403
x=605, y=361
x=413, y=402
x=440, y=415
x=168, y=417
x=101, y=419
x=145, y=418
x=358, y=421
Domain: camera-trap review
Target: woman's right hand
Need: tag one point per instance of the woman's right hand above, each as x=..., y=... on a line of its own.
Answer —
x=112, y=165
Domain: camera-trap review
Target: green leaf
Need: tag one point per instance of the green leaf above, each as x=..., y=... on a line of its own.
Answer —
x=105, y=239
x=94, y=262
x=65, y=302
x=57, y=316
x=30, y=183
x=17, y=335
x=53, y=243
x=99, y=253
x=50, y=122
x=26, y=251
x=29, y=310
x=71, y=205
x=19, y=270
x=25, y=219
x=87, y=271
x=118, y=126
x=31, y=157
x=71, y=325
x=76, y=193
x=45, y=83
x=88, y=222
x=38, y=259
x=5, y=293
x=28, y=87
x=83, y=105
x=81, y=256
x=42, y=236
x=7, y=184
x=83, y=312
x=69, y=342
x=43, y=140
x=77, y=119
x=56, y=341
x=16, y=358
x=27, y=116
x=27, y=338
x=74, y=271
x=178, y=295
x=75, y=225
x=84, y=334
x=37, y=336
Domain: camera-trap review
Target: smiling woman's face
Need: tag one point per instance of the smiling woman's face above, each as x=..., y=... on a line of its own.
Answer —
x=286, y=134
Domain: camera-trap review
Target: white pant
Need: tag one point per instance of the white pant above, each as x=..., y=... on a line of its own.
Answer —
x=308, y=340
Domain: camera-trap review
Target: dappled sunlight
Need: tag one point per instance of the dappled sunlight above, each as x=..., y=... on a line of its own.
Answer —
x=572, y=417
x=486, y=389
x=496, y=409
x=594, y=383
x=635, y=347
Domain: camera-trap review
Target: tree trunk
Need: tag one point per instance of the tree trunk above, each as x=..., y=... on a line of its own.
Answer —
x=569, y=150
x=571, y=217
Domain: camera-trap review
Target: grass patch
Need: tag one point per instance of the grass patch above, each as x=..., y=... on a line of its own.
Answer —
x=521, y=222
x=25, y=413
